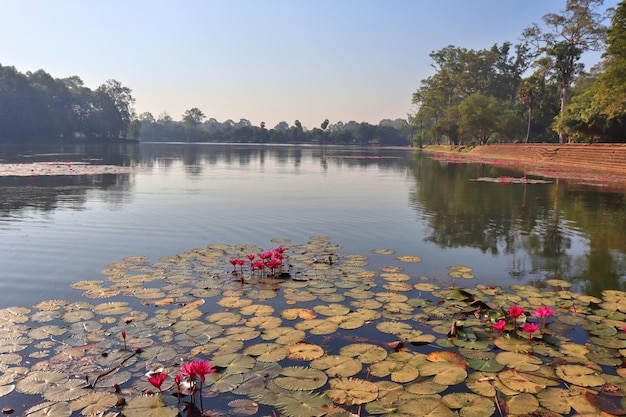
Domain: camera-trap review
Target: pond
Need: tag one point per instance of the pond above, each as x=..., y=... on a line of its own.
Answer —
x=388, y=253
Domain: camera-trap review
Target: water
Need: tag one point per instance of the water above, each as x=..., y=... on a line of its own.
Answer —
x=172, y=198
x=57, y=230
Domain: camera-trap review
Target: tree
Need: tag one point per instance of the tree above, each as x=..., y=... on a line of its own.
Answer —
x=481, y=116
x=530, y=93
x=569, y=34
x=193, y=117
x=611, y=92
x=112, y=92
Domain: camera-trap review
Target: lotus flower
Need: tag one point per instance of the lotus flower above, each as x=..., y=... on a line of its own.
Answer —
x=543, y=313
x=515, y=312
x=500, y=325
x=157, y=380
x=530, y=328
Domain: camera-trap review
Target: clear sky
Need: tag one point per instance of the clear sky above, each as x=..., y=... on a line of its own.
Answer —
x=261, y=60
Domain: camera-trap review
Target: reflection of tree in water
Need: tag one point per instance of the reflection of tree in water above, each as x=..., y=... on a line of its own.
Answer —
x=47, y=193
x=535, y=224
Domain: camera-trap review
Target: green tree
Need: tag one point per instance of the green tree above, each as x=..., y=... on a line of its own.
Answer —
x=568, y=35
x=530, y=93
x=482, y=116
x=611, y=92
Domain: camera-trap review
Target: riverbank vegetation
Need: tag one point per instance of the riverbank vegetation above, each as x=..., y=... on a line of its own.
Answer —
x=534, y=91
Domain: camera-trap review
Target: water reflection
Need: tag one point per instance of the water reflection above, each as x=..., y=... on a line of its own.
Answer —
x=526, y=232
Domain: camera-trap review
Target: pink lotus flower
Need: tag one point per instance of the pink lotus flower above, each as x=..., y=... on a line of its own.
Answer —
x=251, y=256
x=530, y=328
x=197, y=369
x=233, y=262
x=543, y=313
x=157, y=380
x=515, y=312
x=500, y=325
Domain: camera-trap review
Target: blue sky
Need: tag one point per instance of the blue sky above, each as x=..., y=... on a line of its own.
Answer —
x=262, y=60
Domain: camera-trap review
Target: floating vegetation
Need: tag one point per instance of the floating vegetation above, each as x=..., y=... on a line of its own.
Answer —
x=60, y=168
x=505, y=179
x=312, y=332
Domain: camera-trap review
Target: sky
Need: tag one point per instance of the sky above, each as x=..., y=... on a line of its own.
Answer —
x=260, y=60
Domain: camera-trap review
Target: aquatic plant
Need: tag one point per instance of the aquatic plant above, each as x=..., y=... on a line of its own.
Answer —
x=331, y=338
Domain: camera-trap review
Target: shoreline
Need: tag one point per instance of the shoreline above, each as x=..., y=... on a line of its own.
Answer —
x=596, y=165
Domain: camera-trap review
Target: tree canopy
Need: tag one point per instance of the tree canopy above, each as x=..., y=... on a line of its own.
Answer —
x=34, y=107
x=479, y=96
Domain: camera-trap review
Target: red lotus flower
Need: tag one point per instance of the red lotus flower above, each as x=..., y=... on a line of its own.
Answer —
x=203, y=368
x=500, y=325
x=124, y=338
x=251, y=256
x=515, y=311
x=233, y=262
x=197, y=369
x=157, y=380
x=543, y=313
x=530, y=328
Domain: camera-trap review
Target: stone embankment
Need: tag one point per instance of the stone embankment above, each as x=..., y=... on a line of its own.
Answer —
x=607, y=158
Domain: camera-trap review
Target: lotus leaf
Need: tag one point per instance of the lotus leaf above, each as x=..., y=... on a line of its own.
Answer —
x=349, y=321
x=44, y=332
x=303, y=404
x=555, y=399
x=393, y=327
x=471, y=405
x=408, y=258
x=332, y=310
x=367, y=304
x=395, y=277
x=6, y=389
x=264, y=322
x=318, y=326
x=416, y=336
x=519, y=382
x=522, y=404
x=112, y=308
x=399, y=371
x=579, y=375
x=94, y=403
x=241, y=333
x=235, y=363
x=305, y=351
x=388, y=392
x=337, y=365
x=350, y=391
x=243, y=407
x=513, y=344
x=225, y=318
x=148, y=406
x=224, y=382
x=383, y=251
x=48, y=409
x=234, y=302
x=364, y=352
x=298, y=312
x=444, y=373
x=300, y=378
x=38, y=382
x=267, y=352
x=283, y=335
x=391, y=297
x=398, y=286
x=519, y=361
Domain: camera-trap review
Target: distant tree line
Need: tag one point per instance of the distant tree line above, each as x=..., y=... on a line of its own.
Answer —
x=34, y=107
x=534, y=91
x=195, y=127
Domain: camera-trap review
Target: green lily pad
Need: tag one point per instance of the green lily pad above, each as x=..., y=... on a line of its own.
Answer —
x=351, y=391
x=300, y=378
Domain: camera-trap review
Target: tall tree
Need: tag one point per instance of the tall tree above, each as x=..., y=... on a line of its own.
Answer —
x=611, y=91
x=567, y=36
x=530, y=93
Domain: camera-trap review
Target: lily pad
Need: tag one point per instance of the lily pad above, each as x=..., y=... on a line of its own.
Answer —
x=351, y=391
x=300, y=378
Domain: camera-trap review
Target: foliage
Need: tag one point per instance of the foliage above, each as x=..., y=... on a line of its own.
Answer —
x=34, y=107
x=193, y=128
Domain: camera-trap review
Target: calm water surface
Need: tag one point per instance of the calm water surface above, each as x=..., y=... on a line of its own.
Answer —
x=58, y=230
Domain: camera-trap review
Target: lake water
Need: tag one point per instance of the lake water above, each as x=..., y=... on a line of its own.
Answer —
x=176, y=197
x=393, y=334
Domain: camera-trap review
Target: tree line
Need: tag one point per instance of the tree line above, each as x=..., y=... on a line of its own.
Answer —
x=34, y=107
x=533, y=91
x=195, y=127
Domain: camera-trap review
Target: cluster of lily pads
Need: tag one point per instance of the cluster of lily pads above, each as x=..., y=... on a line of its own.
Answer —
x=332, y=338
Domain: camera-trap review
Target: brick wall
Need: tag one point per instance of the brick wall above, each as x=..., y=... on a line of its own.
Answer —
x=596, y=157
